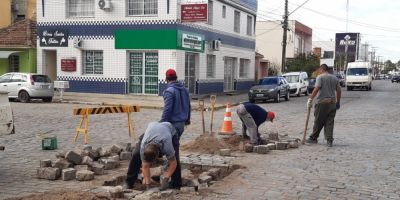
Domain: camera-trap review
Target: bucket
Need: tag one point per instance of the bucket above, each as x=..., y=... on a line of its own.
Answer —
x=49, y=143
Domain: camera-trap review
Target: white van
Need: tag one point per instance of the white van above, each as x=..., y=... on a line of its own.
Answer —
x=298, y=82
x=359, y=74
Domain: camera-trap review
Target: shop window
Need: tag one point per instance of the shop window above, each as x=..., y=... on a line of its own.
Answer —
x=14, y=63
x=210, y=12
x=328, y=54
x=80, y=8
x=142, y=7
x=93, y=62
x=244, y=68
x=249, y=25
x=210, y=66
x=236, y=26
x=224, y=12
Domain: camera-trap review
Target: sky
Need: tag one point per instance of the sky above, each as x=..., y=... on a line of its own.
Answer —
x=378, y=22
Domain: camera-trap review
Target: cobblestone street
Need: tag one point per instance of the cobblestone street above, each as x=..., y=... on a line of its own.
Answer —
x=364, y=162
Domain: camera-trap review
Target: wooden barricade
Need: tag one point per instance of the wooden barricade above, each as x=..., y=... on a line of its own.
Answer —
x=85, y=112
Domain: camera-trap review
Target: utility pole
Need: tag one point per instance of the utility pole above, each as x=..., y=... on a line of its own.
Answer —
x=347, y=16
x=285, y=28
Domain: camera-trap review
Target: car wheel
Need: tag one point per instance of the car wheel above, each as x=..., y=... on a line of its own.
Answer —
x=24, y=97
x=370, y=87
x=49, y=99
x=287, y=97
x=278, y=97
x=252, y=100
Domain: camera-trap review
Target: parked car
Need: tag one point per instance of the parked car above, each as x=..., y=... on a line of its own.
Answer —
x=27, y=86
x=273, y=87
x=311, y=84
x=395, y=78
x=298, y=82
x=341, y=79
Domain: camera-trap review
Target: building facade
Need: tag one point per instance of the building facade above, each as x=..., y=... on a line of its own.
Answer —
x=16, y=10
x=125, y=46
x=269, y=40
x=326, y=52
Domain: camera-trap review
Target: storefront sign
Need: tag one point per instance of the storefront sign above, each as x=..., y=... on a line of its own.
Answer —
x=68, y=65
x=348, y=43
x=194, y=12
x=192, y=42
x=53, y=38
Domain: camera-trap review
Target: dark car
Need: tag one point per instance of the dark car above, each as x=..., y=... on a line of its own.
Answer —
x=395, y=78
x=311, y=84
x=272, y=87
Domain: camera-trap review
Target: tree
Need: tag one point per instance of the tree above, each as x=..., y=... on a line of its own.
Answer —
x=273, y=69
x=388, y=66
x=303, y=62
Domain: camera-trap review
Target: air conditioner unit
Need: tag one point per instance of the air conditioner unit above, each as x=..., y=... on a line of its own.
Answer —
x=61, y=84
x=105, y=5
x=78, y=42
x=216, y=45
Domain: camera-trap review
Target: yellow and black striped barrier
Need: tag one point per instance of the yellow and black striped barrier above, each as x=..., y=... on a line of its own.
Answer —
x=85, y=112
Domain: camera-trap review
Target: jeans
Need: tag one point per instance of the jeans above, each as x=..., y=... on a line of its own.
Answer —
x=136, y=163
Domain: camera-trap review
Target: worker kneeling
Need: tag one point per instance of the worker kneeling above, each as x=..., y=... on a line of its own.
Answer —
x=252, y=116
x=159, y=140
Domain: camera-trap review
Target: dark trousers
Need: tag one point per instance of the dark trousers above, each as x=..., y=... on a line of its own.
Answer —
x=136, y=163
x=324, y=114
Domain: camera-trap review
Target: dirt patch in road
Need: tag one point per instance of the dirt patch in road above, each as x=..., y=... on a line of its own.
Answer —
x=63, y=195
x=211, y=145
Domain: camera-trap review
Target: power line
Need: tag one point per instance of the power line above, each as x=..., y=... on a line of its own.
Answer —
x=299, y=6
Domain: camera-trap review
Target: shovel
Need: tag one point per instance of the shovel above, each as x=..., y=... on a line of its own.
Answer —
x=305, y=129
x=213, y=98
x=201, y=107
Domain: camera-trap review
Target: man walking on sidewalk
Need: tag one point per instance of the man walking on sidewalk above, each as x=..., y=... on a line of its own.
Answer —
x=328, y=93
x=160, y=139
x=252, y=116
x=177, y=112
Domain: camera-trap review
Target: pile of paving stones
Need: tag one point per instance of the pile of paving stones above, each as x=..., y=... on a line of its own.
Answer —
x=84, y=164
x=273, y=142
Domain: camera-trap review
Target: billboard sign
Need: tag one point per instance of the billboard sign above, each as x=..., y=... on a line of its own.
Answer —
x=349, y=41
x=194, y=12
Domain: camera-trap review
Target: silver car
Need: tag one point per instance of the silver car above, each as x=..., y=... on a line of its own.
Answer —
x=27, y=86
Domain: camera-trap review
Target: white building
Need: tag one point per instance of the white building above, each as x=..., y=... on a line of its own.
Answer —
x=326, y=51
x=125, y=46
x=269, y=40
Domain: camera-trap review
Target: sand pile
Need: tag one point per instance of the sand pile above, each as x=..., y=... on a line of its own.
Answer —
x=211, y=145
x=63, y=195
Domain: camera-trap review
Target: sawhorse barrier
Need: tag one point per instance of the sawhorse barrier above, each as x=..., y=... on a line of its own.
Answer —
x=85, y=112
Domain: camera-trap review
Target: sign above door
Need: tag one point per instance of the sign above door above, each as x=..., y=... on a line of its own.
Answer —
x=53, y=38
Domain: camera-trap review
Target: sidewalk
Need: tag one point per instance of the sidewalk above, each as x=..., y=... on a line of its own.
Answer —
x=145, y=101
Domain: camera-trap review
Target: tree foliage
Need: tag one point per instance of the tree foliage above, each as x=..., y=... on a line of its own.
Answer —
x=303, y=62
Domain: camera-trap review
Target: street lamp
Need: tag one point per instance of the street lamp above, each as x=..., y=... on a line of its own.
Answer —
x=346, y=46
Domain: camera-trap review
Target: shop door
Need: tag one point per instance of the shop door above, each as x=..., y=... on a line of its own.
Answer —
x=50, y=64
x=229, y=73
x=190, y=72
x=143, y=73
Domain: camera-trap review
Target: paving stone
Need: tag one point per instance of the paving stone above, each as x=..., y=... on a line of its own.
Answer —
x=73, y=157
x=125, y=155
x=204, y=178
x=293, y=145
x=45, y=163
x=61, y=154
x=225, y=152
x=81, y=167
x=128, y=147
x=84, y=175
x=271, y=146
x=248, y=148
x=188, y=189
x=167, y=193
x=68, y=174
x=48, y=173
x=104, y=152
x=97, y=168
x=115, y=158
x=109, y=164
x=281, y=145
x=273, y=136
x=116, y=149
x=87, y=148
x=214, y=173
x=116, y=192
x=262, y=149
x=62, y=163
x=87, y=160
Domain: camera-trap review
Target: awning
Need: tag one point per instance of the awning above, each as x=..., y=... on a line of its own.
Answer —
x=5, y=54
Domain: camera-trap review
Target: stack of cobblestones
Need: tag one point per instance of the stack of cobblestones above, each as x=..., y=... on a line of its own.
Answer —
x=273, y=142
x=84, y=164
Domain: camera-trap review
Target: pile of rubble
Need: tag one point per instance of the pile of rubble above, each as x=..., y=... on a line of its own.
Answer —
x=84, y=164
x=273, y=142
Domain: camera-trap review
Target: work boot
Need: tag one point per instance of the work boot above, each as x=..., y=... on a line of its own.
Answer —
x=311, y=141
x=127, y=186
x=329, y=143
